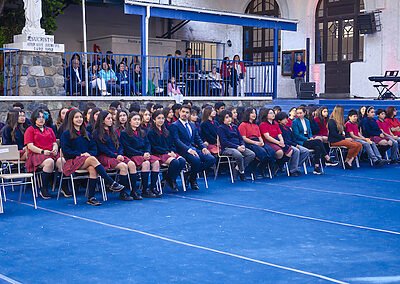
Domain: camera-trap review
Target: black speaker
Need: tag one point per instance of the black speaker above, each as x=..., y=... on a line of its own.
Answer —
x=367, y=23
x=307, y=91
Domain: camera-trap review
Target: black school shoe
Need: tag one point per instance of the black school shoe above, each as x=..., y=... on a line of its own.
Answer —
x=135, y=195
x=93, y=201
x=317, y=171
x=194, y=185
x=148, y=194
x=295, y=174
x=125, y=197
x=331, y=163
x=348, y=166
x=66, y=192
x=116, y=187
x=44, y=193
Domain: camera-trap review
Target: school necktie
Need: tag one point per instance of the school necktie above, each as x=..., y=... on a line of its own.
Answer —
x=189, y=131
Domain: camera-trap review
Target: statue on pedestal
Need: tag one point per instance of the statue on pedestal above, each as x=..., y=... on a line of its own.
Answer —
x=33, y=14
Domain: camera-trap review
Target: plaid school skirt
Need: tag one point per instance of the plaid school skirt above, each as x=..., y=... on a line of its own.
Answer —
x=34, y=160
x=276, y=147
x=138, y=160
x=164, y=157
x=72, y=165
x=111, y=163
x=377, y=139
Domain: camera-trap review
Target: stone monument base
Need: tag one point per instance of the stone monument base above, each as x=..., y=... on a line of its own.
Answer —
x=40, y=74
x=43, y=43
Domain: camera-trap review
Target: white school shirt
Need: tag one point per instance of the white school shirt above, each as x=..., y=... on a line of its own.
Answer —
x=303, y=122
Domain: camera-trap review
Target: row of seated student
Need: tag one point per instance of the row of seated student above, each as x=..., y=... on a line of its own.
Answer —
x=146, y=139
x=107, y=78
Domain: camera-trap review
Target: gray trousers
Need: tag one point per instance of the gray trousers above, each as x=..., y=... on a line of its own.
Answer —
x=297, y=82
x=242, y=159
x=299, y=156
x=371, y=149
x=394, y=150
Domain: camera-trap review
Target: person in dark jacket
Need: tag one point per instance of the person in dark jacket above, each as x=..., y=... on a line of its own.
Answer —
x=371, y=130
x=208, y=129
x=13, y=132
x=300, y=154
x=80, y=154
x=163, y=147
x=303, y=135
x=94, y=114
x=336, y=136
x=232, y=144
x=137, y=148
x=299, y=70
x=189, y=145
x=111, y=156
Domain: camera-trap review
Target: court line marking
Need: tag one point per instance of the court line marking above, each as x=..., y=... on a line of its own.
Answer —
x=331, y=192
x=289, y=214
x=370, y=178
x=167, y=239
x=8, y=279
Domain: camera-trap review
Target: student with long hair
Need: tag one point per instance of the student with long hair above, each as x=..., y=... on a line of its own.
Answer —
x=80, y=152
x=137, y=147
x=168, y=117
x=291, y=116
x=362, y=113
x=321, y=118
x=110, y=154
x=121, y=121
x=303, y=136
x=391, y=119
x=234, y=111
x=13, y=132
x=310, y=115
x=337, y=136
x=352, y=131
x=42, y=150
x=232, y=144
x=145, y=115
x=162, y=146
x=371, y=130
x=385, y=127
x=194, y=117
x=209, y=128
x=253, y=140
x=92, y=119
x=60, y=120
x=272, y=135
x=86, y=114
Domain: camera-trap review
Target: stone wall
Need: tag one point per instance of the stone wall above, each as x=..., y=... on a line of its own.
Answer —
x=41, y=74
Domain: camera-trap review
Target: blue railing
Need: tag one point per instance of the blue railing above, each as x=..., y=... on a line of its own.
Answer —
x=122, y=75
x=9, y=72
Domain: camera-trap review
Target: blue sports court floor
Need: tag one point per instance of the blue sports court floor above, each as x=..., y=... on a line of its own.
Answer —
x=343, y=227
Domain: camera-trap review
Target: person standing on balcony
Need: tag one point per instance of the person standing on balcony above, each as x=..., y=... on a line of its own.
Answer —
x=299, y=70
x=226, y=74
x=176, y=65
x=238, y=75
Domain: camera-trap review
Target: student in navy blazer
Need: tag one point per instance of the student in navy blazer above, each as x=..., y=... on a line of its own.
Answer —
x=303, y=136
x=190, y=146
x=232, y=143
x=137, y=147
x=110, y=154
